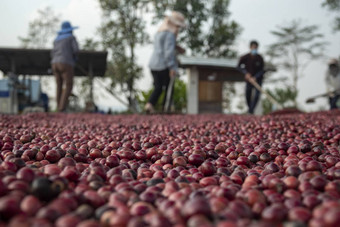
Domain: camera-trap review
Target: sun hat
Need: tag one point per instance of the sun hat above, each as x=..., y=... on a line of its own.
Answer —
x=333, y=61
x=177, y=18
x=67, y=27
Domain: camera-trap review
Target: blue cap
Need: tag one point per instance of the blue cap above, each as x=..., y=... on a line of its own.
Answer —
x=66, y=27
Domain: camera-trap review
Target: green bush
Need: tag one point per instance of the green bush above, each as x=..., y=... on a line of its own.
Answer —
x=284, y=96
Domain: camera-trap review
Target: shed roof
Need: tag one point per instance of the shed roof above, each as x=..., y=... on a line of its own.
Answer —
x=224, y=69
x=186, y=61
x=37, y=61
x=213, y=69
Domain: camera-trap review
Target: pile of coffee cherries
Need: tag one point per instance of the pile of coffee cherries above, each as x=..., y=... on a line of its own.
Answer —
x=89, y=170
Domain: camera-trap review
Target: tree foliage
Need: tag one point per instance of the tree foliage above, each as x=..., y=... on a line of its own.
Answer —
x=222, y=33
x=295, y=47
x=334, y=6
x=90, y=44
x=122, y=30
x=84, y=88
x=41, y=29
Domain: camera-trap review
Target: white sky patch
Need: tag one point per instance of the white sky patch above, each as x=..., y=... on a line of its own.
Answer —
x=86, y=14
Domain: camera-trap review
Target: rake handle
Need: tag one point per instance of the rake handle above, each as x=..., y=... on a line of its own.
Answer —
x=258, y=87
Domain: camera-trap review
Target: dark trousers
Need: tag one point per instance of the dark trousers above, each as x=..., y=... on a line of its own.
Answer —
x=252, y=97
x=161, y=81
x=333, y=100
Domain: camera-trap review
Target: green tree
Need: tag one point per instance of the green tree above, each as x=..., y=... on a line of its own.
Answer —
x=122, y=30
x=90, y=44
x=222, y=34
x=334, y=6
x=41, y=29
x=85, y=89
x=295, y=47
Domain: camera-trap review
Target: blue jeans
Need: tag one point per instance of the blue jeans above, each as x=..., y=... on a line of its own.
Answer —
x=252, y=99
x=333, y=100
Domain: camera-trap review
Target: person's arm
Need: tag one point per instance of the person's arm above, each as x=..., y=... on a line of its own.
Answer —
x=328, y=81
x=170, y=53
x=75, y=49
x=241, y=66
x=261, y=72
x=52, y=52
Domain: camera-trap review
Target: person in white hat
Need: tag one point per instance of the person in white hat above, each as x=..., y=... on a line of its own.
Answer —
x=333, y=82
x=163, y=63
x=64, y=54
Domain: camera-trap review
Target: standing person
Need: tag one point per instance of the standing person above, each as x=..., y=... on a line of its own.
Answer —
x=333, y=82
x=163, y=63
x=64, y=55
x=252, y=66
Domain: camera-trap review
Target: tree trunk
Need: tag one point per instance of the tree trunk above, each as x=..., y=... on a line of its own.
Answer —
x=132, y=106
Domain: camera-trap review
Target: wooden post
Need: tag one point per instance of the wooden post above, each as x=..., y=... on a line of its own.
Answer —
x=91, y=80
x=192, y=91
x=14, y=93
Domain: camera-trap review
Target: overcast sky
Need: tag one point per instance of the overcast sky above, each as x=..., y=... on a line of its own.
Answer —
x=257, y=19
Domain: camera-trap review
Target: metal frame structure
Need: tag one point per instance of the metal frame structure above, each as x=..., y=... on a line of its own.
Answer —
x=27, y=62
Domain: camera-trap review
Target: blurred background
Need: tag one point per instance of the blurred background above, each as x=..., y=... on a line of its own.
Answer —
x=297, y=37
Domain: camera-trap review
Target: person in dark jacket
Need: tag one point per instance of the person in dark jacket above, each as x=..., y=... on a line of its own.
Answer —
x=163, y=63
x=252, y=66
x=64, y=55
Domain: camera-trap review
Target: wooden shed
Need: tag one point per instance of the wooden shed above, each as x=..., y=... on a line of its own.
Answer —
x=205, y=82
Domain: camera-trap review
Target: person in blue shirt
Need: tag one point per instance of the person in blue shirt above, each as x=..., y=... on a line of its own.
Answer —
x=252, y=66
x=64, y=56
x=163, y=63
